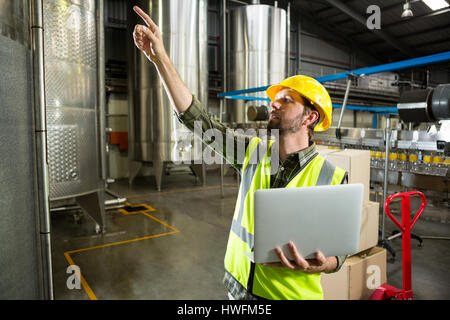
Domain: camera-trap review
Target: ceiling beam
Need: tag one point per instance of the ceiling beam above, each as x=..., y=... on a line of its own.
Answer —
x=329, y=33
x=414, y=34
x=403, y=21
x=430, y=43
x=409, y=52
x=320, y=11
x=421, y=45
x=398, y=5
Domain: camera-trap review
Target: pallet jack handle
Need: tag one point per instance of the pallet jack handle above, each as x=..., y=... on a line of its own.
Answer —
x=405, y=227
x=406, y=209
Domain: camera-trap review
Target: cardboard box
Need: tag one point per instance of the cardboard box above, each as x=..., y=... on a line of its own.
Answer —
x=355, y=162
x=324, y=150
x=360, y=275
x=368, y=237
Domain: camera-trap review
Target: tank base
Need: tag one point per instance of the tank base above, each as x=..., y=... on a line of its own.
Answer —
x=94, y=205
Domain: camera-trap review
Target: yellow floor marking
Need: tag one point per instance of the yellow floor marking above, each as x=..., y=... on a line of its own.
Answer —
x=179, y=191
x=125, y=212
x=152, y=217
x=84, y=283
x=149, y=208
x=121, y=242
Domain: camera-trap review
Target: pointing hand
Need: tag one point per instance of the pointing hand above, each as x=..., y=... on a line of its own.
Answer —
x=148, y=38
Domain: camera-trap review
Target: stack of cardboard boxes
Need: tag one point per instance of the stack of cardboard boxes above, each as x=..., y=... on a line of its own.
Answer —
x=364, y=271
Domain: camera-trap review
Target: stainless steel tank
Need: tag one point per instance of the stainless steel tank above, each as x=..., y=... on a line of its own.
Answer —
x=22, y=254
x=154, y=130
x=257, y=51
x=71, y=71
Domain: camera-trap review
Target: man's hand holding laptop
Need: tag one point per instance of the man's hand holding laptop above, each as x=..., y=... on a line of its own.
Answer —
x=317, y=265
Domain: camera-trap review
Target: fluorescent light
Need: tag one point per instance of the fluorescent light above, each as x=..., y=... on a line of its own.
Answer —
x=436, y=4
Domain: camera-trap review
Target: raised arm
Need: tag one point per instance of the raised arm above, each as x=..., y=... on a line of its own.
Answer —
x=148, y=39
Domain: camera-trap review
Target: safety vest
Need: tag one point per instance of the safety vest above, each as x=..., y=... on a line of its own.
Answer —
x=271, y=282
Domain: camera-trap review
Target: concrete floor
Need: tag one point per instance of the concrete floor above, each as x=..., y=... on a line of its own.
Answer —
x=177, y=251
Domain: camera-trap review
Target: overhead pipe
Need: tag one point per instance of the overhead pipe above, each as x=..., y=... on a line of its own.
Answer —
x=370, y=109
x=240, y=2
x=43, y=207
x=393, y=66
x=410, y=63
x=386, y=162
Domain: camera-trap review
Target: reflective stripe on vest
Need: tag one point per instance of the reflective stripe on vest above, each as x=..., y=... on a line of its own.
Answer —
x=326, y=174
x=256, y=148
x=271, y=283
x=236, y=225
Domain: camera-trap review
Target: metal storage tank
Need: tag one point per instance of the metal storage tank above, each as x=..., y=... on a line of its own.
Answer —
x=155, y=134
x=73, y=103
x=25, y=255
x=257, y=49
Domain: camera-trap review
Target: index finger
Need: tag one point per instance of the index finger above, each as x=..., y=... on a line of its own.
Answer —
x=144, y=17
x=320, y=257
x=284, y=261
x=297, y=257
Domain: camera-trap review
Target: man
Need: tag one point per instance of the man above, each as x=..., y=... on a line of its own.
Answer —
x=299, y=105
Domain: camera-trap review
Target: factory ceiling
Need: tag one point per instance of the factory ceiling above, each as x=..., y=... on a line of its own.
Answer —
x=426, y=32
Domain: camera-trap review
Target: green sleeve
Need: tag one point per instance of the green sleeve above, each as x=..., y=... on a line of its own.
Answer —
x=196, y=113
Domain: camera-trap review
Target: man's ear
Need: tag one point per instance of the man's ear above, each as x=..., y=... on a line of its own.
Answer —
x=311, y=117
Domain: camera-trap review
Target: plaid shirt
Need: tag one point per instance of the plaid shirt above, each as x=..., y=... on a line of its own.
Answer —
x=286, y=171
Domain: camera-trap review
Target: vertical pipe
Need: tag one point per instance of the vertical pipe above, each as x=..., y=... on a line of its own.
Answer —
x=202, y=62
x=101, y=93
x=288, y=40
x=224, y=56
x=221, y=163
x=386, y=163
x=224, y=79
x=299, y=48
x=347, y=90
x=37, y=35
x=223, y=102
x=374, y=121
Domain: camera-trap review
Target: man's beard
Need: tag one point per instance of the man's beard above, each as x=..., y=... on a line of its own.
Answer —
x=291, y=126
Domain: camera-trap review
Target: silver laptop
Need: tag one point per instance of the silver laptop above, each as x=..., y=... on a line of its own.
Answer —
x=325, y=218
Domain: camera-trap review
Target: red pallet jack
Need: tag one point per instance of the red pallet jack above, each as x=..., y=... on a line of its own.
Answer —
x=386, y=291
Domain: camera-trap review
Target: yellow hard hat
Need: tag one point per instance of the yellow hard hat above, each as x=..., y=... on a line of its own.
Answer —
x=312, y=90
